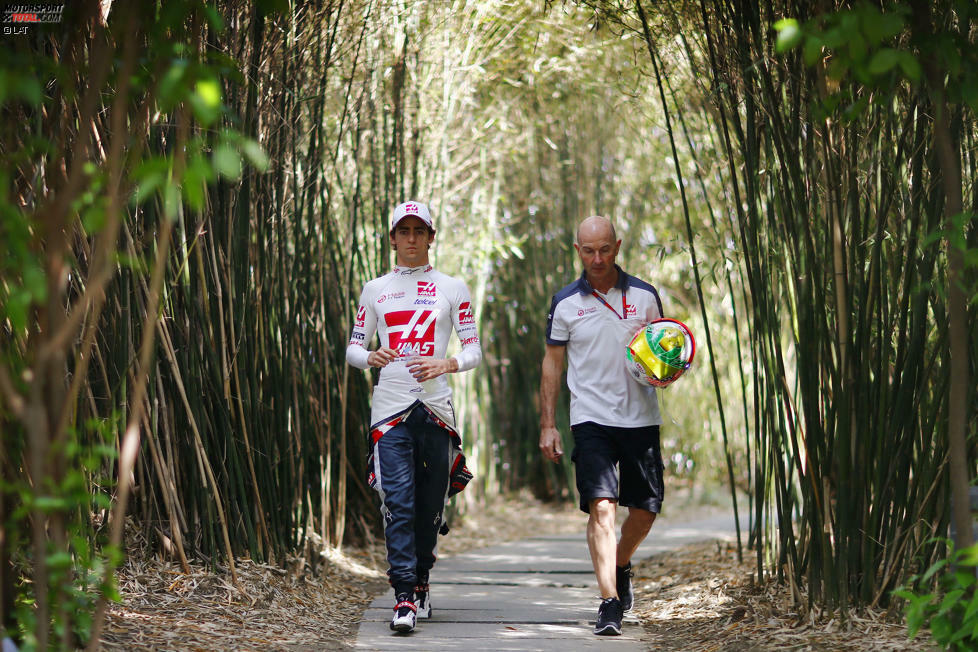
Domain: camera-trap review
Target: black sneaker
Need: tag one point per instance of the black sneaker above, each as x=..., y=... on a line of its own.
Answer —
x=623, y=580
x=405, y=613
x=609, y=618
x=422, y=600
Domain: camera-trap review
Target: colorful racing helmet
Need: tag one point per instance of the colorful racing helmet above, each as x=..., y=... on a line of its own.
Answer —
x=659, y=353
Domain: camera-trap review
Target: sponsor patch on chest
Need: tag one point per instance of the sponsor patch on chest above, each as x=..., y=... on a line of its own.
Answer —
x=390, y=296
x=426, y=288
x=412, y=332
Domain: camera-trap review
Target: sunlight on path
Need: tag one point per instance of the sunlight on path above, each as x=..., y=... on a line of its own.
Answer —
x=533, y=594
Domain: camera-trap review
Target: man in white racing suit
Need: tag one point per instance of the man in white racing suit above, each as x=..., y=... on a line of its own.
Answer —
x=416, y=462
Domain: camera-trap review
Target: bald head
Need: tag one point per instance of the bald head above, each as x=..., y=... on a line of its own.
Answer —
x=597, y=245
x=596, y=228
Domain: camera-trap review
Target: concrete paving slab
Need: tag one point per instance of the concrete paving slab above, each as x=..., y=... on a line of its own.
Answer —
x=494, y=597
x=536, y=594
x=538, y=580
x=505, y=638
x=470, y=618
x=567, y=553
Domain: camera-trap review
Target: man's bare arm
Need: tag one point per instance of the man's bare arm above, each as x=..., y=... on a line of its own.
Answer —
x=553, y=365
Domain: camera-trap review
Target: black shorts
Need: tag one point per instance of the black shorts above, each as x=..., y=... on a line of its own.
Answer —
x=635, y=451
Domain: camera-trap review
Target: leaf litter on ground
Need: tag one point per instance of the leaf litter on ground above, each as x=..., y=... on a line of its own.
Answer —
x=697, y=598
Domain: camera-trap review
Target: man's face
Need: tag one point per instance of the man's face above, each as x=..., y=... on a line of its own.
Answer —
x=597, y=251
x=411, y=240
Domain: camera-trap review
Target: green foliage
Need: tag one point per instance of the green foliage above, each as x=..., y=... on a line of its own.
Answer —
x=66, y=219
x=955, y=234
x=22, y=279
x=789, y=34
x=833, y=143
x=944, y=600
x=863, y=44
x=76, y=569
x=880, y=48
x=19, y=83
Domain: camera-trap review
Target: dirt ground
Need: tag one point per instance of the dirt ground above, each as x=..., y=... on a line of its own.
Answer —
x=697, y=598
x=700, y=598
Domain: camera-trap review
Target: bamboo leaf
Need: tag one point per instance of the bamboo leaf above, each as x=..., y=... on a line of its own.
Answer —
x=950, y=601
x=789, y=34
x=880, y=26
x=227, y=162
x=254, y=154
x=206, y=101
x=883, y=61
x=59, y=561
x=149, y=176
x=812, y=50
x=196, y=177
x=967, y=556
x=35, y=281
x=28, y=88
x=935, y=567
x=909, y=65
x=172, y=86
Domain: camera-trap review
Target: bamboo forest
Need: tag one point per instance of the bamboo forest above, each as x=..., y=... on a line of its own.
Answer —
x=195, y=193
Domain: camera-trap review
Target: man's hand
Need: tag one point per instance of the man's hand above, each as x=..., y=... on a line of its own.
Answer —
x=381, y=357
x=550, y=443
x=424, y=369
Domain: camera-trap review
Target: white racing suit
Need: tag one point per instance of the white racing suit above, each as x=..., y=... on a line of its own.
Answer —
x=416, y=462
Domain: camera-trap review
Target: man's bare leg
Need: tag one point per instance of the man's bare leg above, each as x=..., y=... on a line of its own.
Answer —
x=633, y=532
x=601, y=543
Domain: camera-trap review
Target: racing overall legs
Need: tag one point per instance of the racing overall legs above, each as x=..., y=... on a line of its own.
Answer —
x=414, y=466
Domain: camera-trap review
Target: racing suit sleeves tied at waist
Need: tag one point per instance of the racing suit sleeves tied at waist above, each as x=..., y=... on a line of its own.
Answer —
x=459, y=473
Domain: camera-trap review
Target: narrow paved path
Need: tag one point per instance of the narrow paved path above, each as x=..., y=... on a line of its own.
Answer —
x=534, y=594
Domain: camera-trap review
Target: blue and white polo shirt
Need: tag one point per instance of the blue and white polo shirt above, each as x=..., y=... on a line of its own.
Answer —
x=595, y=328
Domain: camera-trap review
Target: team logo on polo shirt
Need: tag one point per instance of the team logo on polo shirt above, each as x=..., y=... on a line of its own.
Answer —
x=630, y=310
x=465, y=315
x=426, y=288
x=361, y=316
x=412, y=332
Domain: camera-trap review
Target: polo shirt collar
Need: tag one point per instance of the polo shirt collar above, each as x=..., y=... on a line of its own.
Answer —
x=584, y=287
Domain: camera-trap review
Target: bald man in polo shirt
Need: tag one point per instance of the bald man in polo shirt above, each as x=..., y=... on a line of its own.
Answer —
x=614, y=419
